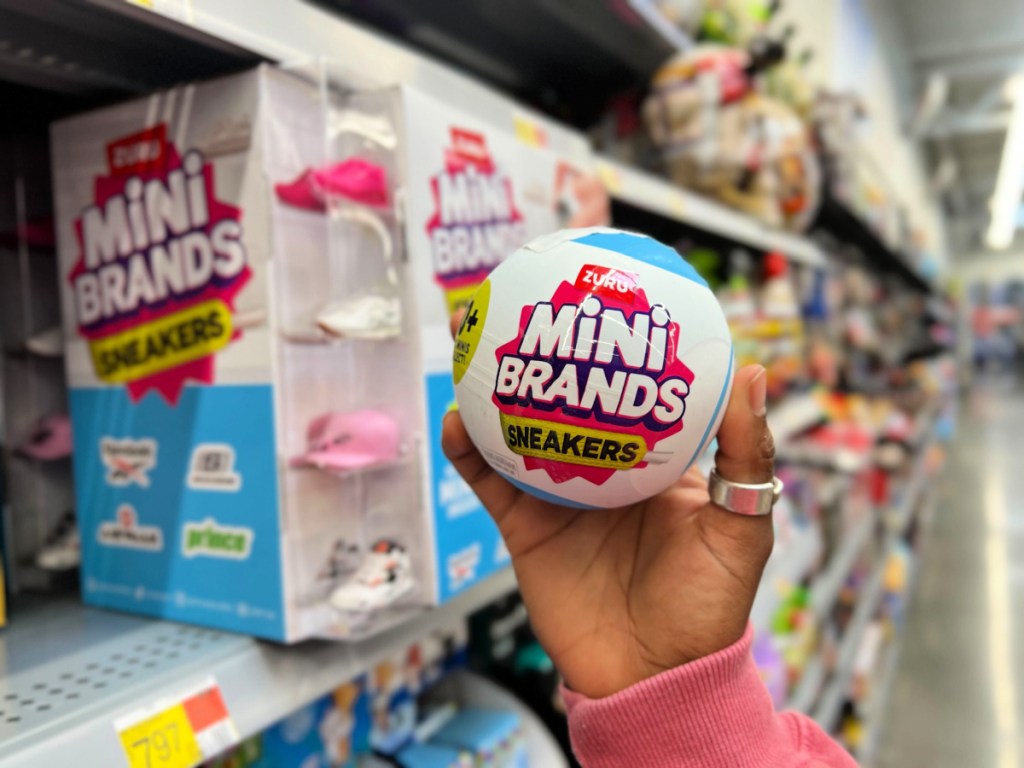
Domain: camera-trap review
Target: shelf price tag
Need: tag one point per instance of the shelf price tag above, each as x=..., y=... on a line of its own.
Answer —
x=178, y=732
x=529, y=132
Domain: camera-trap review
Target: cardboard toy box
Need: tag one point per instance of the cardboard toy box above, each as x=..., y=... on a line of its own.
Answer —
x=257, y=275
x=478, y=184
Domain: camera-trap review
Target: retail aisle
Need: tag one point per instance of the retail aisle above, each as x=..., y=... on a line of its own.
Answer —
x=958, y=699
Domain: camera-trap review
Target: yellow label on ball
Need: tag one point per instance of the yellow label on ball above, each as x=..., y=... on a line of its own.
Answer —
x=467, y=340
x=571, y=444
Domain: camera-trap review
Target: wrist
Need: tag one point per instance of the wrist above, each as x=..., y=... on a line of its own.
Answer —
x=645, y=660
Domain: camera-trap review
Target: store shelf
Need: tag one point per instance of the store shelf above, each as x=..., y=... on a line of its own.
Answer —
x=787, y=566
x=806, y=692
x=651, y=193
x=827, y=711
x=900, y=516
x=835, y=217
x=877, y=707
x=85, y=49
x=70, y=671
x=879, y=703
x=100, y=49
x=825, y=590
x=578, y=55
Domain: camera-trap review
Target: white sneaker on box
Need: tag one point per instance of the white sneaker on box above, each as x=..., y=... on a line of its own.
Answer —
x=384, y=577
x=63, y=549
x=375, y=129
x=48, y=343
x=366, y=317
x=227, y=137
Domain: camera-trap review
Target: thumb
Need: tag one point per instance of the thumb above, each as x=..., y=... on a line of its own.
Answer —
x=745, y=455
x=746, y=451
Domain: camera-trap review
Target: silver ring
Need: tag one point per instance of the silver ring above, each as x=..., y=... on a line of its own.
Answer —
x=744, y=498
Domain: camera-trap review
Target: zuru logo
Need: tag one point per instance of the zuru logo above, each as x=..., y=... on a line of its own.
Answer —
x=607, y=281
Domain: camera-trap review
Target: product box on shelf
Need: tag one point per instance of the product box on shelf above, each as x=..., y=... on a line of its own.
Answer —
x=478, y=187
x=257, y=276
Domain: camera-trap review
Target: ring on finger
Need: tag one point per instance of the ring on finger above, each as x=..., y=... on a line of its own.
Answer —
x=752, y=499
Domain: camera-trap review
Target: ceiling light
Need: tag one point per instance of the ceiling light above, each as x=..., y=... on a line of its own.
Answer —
x=1010, y=181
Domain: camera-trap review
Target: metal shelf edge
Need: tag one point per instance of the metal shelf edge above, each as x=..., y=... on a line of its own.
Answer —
x=261, y=682
x=649, y=192
x=832, y=699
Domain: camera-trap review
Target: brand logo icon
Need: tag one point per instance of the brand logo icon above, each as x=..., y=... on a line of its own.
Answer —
x=142, y=152
x=212, y=468
x=476, y=223
x=462, y=566
x=161, y=261
x=127, y=533
x=128, y=460
x=470, y=146
x=210, y=539
x=607, y=365
x=608, y=282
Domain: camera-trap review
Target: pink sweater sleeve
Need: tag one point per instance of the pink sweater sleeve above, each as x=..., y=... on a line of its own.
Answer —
x=712, y=713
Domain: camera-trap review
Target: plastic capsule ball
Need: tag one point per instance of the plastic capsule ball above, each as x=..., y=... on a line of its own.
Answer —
x=592, y=367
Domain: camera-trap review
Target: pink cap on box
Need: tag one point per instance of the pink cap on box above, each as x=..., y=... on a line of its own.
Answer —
x=50, y=440
x=353, y=440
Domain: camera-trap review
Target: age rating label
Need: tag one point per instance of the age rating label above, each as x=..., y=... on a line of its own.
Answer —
x=180, y=731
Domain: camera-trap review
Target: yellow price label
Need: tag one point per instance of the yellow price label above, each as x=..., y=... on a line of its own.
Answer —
x=164, y=740
x=528, y=132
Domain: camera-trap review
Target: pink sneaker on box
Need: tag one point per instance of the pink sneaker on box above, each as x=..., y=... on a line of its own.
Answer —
x=357, y=180
x=302, y=193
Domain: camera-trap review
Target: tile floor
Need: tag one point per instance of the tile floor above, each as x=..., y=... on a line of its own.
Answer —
x=958, y=698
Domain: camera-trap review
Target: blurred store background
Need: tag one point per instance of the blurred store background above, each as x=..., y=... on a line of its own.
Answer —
x=222, y=485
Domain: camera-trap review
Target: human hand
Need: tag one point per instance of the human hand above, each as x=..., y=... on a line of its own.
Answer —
x=619, y=595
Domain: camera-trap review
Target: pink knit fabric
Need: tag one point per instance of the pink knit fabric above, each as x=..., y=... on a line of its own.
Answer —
x=712, y=713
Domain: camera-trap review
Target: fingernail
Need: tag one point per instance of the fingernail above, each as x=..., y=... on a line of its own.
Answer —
x=758, y=389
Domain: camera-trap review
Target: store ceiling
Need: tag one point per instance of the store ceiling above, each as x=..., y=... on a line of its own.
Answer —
x=966, y=50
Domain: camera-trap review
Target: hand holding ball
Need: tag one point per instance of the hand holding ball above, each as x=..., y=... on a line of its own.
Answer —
x=593, y=367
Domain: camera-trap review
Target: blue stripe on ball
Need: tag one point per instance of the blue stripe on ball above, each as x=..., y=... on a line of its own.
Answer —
x=643, y=249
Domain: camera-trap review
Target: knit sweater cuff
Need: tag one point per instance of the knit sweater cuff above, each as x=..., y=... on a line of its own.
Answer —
x=709, y=713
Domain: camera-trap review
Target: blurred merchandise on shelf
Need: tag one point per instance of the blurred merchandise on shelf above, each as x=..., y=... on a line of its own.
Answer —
x=414, y=709
x=717, y=134
x=503, y=648
x=41, y=550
